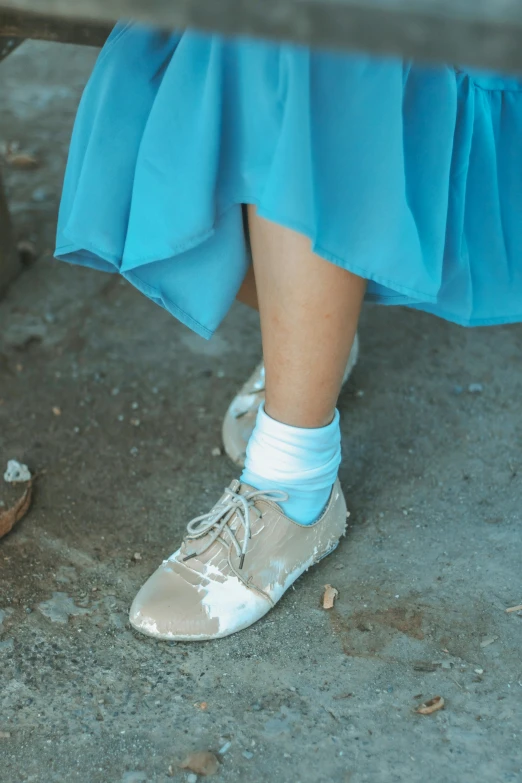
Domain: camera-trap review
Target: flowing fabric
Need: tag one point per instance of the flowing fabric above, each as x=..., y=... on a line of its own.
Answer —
x=408, y=175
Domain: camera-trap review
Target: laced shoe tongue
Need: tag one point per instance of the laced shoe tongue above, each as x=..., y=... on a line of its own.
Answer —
x=228, y=523
x=199, y=548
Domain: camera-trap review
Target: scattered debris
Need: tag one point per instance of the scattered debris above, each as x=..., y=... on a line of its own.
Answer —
x=330, y=594
x=478, y=671
x=425, y=666
x=226, y=747
x=21, y=160
x=475, y=388
x=431, y=706
x=216, y=452
x=202, y=705
x=11, y=516
x=204, y=762
x=135, y=422
x=136, y=556
x=514, y=609
x=488, y=641
x=40, y=194
x=331, y=712
x=26, y=251
x=5, y=734
x=57, y=411
x=17, y=472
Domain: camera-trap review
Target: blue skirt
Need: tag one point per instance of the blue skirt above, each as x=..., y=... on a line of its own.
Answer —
x=408, y=175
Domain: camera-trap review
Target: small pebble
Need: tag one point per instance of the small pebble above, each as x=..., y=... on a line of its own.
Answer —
x=40, y=194
x=192, y=778
x=247, y=754
x=475, y=388
x=216, y=452
x=16, y=472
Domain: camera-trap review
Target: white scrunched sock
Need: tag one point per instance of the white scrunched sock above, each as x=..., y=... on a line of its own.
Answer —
x=302, y=462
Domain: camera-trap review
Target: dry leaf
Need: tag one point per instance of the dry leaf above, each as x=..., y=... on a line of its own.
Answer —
x=202, y=763
x=22, y=161
x=330, y=594
x=431, y=706
x=514, y=609
x=11, y=516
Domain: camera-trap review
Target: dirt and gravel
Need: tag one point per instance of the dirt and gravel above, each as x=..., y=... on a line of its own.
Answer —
x=118, y=409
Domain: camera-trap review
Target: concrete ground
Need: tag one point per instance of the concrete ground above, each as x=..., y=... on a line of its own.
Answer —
x=432, y=471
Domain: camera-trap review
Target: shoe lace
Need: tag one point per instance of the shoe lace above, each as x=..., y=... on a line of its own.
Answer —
x=217, y=521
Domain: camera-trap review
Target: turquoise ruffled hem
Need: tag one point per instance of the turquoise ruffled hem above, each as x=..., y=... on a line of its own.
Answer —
x=408, y=175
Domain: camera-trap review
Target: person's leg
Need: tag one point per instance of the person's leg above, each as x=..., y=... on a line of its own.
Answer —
x=247, y=294
x=240, y=418
x=309, y=312
x=238, y=560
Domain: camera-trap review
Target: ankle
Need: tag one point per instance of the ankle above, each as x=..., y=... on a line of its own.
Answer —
x=303, y=462
x=306, y=418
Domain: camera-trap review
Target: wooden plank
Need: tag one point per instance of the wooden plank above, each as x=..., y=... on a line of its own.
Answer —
x=477, y=32
x=18, y=26
x=10, y=265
